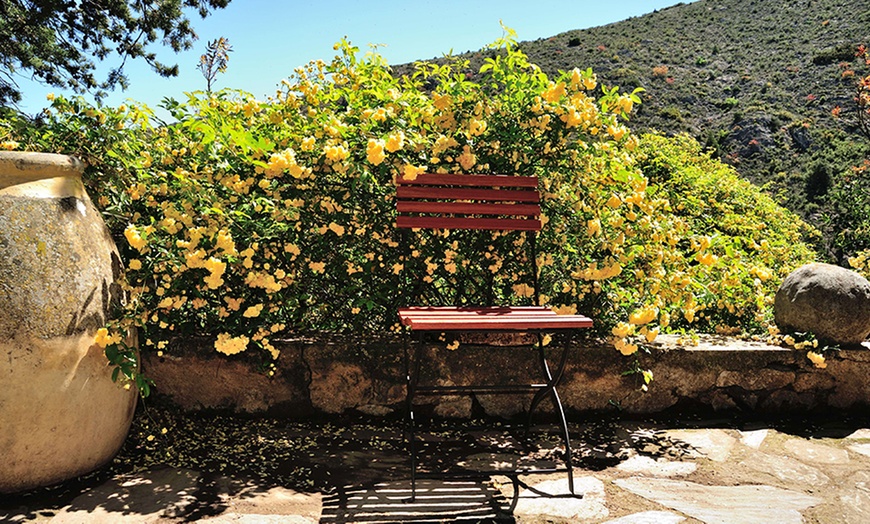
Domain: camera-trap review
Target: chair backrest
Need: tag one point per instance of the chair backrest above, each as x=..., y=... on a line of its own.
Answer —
x=449, y=201
x=434, y=201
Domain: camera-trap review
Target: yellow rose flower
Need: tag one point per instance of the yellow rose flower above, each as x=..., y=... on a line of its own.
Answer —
x=565, y=310
x=234, y=303
x=253, y=311
x=229, y=345
x=441, y=102
x=336, y=228
x=617, y=132
x=395, y=141
x=336, y=153
x=225, y=243
x=134, y=238
x=643, y=316
x=817, y=359
x=590, y=83
x=103, y=338
x=467, y=159
x=593, y=227
x=375, y=151
x=707, y=258
x=625, y=347
x=614, y=202
x=622, y=330
x=554, y=93
x=523, y=290
x=477, y=127
x=411, y=172
x=165, y=303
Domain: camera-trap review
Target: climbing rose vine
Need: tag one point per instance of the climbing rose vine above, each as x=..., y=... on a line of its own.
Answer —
x=245, y=219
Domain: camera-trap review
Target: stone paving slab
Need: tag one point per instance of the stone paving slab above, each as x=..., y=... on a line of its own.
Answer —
x=552, y=498
x=785, y=469
x=649, y=517
x=657, y=468
x=724, y=504
x=813, y=452
x=150, y=497
x=863, y=449
x=715, y=444
x=754, y=439
x=859, y=434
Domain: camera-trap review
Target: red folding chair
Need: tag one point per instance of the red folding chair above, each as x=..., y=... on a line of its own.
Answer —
x=481, y=203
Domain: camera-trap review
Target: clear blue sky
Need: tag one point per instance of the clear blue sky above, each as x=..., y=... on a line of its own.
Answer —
x=270, y=38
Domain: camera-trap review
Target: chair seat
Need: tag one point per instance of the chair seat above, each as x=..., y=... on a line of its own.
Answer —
x=501, y=318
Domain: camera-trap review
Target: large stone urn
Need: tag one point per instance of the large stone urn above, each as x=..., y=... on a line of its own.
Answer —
x=61, y=415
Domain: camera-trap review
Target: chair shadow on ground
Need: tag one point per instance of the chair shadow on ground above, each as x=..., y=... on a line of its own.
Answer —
x=477, y=464
x=436, y=501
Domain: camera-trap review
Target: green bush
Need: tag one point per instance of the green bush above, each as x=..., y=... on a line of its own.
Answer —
x=756, y=242
x=245, y=219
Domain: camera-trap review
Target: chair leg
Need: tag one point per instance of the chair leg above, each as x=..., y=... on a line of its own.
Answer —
x=412, y=373
x=552, y=381
x=539, y=396
x=569, y=462
x=548, y=377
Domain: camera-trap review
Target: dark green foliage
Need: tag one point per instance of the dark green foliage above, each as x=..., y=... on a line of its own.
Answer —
x=57, y=41
x=818, y=180
x=839, y=53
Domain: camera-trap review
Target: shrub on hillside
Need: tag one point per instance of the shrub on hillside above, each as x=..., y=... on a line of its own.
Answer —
x=744, y=243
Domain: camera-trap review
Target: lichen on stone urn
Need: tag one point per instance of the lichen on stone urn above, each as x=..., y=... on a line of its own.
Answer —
x=61, y=413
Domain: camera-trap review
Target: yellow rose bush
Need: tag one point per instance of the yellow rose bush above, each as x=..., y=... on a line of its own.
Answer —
x=246, y=219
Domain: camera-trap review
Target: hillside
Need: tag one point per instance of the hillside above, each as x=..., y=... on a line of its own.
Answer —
x=754, y=80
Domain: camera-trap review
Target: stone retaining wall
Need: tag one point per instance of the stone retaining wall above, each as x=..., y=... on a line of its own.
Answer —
x=315, y=377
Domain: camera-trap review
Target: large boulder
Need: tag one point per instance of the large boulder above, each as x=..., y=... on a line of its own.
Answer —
x=829, y=301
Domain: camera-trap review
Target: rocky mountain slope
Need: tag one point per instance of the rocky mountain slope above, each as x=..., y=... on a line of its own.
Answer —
x=754, y=80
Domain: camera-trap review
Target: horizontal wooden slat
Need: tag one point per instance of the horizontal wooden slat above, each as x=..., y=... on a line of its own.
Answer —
x=509, y=324
x=495, y=224
x=512, y=318
x=462, y=193
x=488, y=312
x=478, y=310
x=438, y=179
x=468, y=208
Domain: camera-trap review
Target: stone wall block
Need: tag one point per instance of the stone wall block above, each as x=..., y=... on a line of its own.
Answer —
x=194, y=382
x=338, y=386
x=817, y=380
x=755, y=379
x=787, y=400
x=851, y=385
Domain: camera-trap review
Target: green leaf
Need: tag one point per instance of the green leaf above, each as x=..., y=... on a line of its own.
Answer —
x=622, y=175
